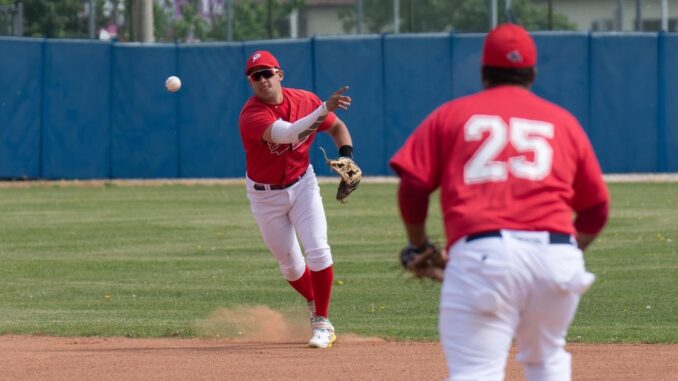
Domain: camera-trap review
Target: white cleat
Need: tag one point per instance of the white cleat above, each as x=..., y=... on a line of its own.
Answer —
x=323, y=333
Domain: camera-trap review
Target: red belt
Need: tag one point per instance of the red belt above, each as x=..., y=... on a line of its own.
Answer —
x=262, y=187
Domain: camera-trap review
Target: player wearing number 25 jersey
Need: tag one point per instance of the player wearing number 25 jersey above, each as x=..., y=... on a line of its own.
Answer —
x=512, y=169
x=500, y=165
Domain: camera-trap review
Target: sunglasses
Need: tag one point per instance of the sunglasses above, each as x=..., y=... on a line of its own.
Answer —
x=266, y=73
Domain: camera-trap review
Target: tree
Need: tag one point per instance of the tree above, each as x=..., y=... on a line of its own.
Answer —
x=252, y=19
x=53, y=18
x=68, y=18
x=417, y=16
x=257, y=20
x=190, y=26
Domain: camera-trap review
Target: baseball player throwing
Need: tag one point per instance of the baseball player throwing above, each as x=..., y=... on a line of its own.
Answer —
x=277, y=126
x=512, y=168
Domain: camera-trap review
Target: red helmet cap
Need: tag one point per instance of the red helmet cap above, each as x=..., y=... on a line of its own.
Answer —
x=261, y=59
x=509, y=46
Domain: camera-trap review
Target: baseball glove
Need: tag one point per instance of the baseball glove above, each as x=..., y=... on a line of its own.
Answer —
x=425, y=261
x=350, y=175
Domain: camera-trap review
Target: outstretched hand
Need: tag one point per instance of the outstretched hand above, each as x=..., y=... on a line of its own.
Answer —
x=338, y=100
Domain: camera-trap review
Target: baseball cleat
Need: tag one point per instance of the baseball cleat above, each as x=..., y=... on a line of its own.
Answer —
x=323, y=333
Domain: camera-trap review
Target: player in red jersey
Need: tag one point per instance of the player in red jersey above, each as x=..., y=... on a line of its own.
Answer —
x=277, y=126
x=512, y=169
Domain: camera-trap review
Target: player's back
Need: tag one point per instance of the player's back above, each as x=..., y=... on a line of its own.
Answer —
x=509, y=162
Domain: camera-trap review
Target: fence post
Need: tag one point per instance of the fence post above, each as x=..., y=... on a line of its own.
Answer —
x=16, y=12
x=662, y=149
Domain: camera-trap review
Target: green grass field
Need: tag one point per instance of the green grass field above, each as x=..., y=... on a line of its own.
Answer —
x=156, y=260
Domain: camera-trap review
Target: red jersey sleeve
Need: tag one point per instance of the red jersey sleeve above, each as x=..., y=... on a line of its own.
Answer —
x=589, y=186
x=328, y=122
x=419, y=157
x=257, y=118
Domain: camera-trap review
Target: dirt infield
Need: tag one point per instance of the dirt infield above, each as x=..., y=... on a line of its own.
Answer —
x=352, y=358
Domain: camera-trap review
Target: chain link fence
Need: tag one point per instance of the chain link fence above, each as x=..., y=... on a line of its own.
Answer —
x=241, y=20
x=11, y=19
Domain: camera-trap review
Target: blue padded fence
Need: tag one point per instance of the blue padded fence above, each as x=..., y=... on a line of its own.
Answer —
x=20, y=107
x=77, y=109
x=623, y=111
x=75, y=105
x=667, y=126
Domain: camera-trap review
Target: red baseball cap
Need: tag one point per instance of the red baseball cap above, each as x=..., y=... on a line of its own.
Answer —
x=261, y=59
x=509, y=46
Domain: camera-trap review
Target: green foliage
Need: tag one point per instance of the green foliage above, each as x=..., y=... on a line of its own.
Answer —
x=536, y=17
x=252, y=20
x=156, y=260
x=417, y=16
x=258, y=20
x=54, y=18
x=247, y=17
x=68, y=18
x=191, y=26
x=162, y=19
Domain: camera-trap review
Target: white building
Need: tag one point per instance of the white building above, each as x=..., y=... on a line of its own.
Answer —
x=610, y=14
x=320, y=17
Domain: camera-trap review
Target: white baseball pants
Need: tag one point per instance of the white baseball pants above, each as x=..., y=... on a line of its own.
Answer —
x=497, y=288
x=282, y=214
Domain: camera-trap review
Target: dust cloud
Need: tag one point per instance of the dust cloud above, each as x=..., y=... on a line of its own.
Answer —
x=256, y=323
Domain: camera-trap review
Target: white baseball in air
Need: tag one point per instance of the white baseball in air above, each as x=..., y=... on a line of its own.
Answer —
x=173, y=83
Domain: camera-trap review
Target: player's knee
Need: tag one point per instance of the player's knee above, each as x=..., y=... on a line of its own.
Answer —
x=556, y=367
x=319, y=259
x=292, y=267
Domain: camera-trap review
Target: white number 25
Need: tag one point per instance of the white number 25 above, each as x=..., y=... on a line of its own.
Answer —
x=524, y=135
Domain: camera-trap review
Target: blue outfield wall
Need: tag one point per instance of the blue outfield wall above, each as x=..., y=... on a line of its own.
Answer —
x=408, y=77
x=78, y=109
x=75, y=97
x=668, y=89
x=208, y=106
x=356, y=62
x=624, y=102
x=20, y=107
x=562, y=75
x=144, y=128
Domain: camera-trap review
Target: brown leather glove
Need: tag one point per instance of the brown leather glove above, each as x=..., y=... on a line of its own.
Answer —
x=350, y=175
x=426, y=261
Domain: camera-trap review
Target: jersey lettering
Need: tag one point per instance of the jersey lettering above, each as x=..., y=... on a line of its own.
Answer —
x=304, y=134
x=279, y=149
x=523, y=134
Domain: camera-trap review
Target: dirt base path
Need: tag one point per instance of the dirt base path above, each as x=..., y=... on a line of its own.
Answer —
x=352, y=358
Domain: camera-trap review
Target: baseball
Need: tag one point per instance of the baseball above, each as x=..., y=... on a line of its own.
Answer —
x=173, y=83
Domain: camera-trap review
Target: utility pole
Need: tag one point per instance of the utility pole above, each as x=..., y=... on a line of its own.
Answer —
x=639, y=15
x=294, y=23
x=359, y=16
x=142, y=20
x=18, y=19
x=493, y=14
x=229, y=20
x=91, y=19
x=620, y=15
x=396, y=16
